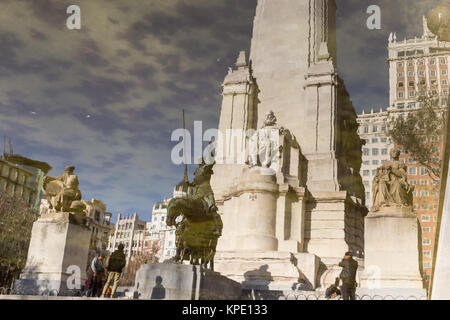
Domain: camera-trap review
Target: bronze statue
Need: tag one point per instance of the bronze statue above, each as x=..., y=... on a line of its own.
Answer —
x=63, y=191
x=390, y=185
x=200, y=226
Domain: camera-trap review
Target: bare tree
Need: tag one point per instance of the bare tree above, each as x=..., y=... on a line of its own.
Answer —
x=16, y=221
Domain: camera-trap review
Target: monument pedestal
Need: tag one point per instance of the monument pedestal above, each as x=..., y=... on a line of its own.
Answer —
x=269, y=270
x=167, y=281
x=392, y=250
x=57, y=256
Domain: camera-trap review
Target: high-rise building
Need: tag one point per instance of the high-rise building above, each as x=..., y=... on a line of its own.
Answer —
x=417, y=67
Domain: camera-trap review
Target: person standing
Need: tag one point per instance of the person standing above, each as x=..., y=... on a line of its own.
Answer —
x=348, y=276
x=98, y=271
x=115, y=266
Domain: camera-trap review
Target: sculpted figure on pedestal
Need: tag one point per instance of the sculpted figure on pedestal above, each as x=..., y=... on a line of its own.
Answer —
x=201, y=226
x=390, y=185
x=63, y=191
x=263, y=145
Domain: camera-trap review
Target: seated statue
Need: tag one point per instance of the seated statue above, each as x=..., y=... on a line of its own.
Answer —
x=390, y=185
x=63, y=191
x=263, y=145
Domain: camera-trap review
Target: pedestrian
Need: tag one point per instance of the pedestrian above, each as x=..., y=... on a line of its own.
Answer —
x=333, y=291
x=348, y=276
x=115, y=266
x=97, y=274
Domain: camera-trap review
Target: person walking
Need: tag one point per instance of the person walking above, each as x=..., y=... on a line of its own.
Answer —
x=97, y=274
x=348, y=276
x=115, y=266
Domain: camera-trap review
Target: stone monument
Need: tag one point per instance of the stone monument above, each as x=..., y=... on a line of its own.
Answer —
x=290, y=186
x=59, y=245
x=392, y=236
x=198, y=227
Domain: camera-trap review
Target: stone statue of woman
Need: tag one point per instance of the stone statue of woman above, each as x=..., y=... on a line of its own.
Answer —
x=390, y=185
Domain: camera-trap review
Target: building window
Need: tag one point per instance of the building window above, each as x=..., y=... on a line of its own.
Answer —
x=375, y=140
x=444, y=72
x=366, y=173
x=400, y=65
x=433, y=73
x=412, y=182
x=426, y=229
x=412, y=171
x=400, y=84
x=375, y=162
x=374, y=172
x=443, y=61
x=366, y=151
x=424, y=182
x=366, y=163
x=444, y=82
x=426, y=241
x=432, y=61
x=410, y=73
x=383, y=128
x=384, y=140
x=367, y=195
x=425, y=218
x=426, y=253
x=423, y=171
x=375, y=129
x=424, y=193
x=400, y=74
x=366, y=184
x=375, y=151
x=425, y=206
x=366, y=129
x=400, y=95
x=411, y=161
x=422, y=74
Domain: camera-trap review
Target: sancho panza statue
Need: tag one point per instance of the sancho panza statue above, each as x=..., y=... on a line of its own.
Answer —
x=63, y=190
x=390, y=185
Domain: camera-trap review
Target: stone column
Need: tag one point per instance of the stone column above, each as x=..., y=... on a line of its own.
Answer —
x=256, y=209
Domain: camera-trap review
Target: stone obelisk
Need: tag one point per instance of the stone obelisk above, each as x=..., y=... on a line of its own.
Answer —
x=318, y=196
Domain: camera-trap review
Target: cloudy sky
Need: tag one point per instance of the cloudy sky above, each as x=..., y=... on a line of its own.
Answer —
x=106, y=98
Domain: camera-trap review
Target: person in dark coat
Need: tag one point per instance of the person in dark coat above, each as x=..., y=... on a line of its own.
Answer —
x=348, y=276
x=333, y=291
x=115, y=266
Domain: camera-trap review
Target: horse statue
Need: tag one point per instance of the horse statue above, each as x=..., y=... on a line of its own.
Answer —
x=198, y=225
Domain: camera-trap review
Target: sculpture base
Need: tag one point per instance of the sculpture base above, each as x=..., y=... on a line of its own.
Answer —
x=269, y=270
x=57, y=256
x=392, y=249
x=167, y=281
